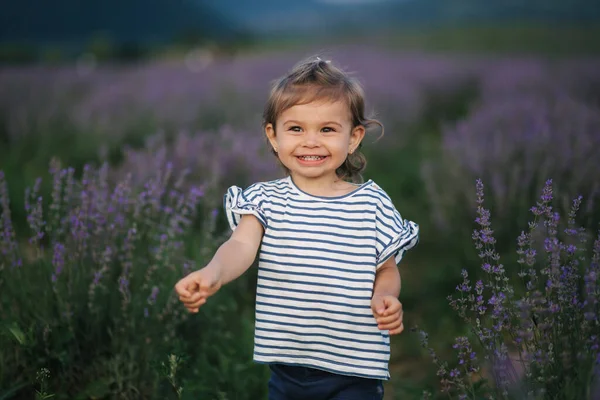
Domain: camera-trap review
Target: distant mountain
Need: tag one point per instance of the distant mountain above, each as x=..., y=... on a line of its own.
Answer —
x=294, y=17
x=564, y=11
x=138, y=21
x=150, y=21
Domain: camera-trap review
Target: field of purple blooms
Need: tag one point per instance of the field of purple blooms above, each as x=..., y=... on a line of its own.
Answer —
x=111, y=184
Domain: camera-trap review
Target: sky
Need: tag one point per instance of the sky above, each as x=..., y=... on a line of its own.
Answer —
x=350, y=2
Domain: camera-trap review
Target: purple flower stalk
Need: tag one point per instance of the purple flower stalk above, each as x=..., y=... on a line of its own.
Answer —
x=539, y=332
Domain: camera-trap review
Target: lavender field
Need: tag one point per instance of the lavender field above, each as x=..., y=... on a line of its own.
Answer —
x=111, y=188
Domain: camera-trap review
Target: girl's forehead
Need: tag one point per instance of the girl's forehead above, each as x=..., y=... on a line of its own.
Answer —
x=317, y=109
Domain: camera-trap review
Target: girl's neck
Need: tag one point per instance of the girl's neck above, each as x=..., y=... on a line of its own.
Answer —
x=326, y=186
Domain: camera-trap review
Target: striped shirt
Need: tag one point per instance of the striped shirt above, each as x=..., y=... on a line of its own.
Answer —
x=317, y=265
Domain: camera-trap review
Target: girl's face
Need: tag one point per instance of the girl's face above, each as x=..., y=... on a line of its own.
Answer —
x=312, y=140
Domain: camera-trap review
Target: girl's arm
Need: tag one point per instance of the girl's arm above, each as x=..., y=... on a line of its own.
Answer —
x=386, y=307
x=238, y=253
x=230, y=261
x=387, y=279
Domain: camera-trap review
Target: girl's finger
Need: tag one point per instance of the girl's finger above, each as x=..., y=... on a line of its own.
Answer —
x=191, y=299
x=390, y=326
x=389, y=319
x=397, y=330
x=196, y=304
x=181, y=289
x=392, y=307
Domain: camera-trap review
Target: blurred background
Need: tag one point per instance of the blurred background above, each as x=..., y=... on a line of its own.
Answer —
x=503, y=90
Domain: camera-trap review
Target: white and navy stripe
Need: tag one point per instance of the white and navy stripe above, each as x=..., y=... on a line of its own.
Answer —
x=317, y=266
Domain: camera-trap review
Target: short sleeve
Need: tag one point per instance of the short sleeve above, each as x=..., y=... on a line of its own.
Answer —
x=238, y=202
x=395, y=235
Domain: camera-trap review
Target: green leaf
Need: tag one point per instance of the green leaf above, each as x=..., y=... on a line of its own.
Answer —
x=17, y=333
x=480, y=384
x=11, y=392
x=96, y=390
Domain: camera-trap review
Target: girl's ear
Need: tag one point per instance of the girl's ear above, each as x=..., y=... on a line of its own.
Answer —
x=270, y=132
x=356, y=136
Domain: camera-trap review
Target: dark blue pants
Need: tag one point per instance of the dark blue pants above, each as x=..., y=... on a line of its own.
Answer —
x=301, y=383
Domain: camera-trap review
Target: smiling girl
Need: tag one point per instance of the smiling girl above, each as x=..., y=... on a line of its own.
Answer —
x=328, y=282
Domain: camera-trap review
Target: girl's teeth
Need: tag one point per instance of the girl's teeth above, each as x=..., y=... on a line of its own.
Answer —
x=311, y=158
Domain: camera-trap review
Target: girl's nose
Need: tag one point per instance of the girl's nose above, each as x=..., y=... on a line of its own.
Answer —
x=311, y=138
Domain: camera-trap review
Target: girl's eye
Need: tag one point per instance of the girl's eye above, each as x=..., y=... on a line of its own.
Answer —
x=328, y=129
x=295, y=129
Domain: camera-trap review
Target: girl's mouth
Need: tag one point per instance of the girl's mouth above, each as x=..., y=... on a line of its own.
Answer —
x=311, y=160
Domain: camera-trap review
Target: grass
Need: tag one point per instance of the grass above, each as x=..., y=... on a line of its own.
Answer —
x=502, y=38
x=496, y=37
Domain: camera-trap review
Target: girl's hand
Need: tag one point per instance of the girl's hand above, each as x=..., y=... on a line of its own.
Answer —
x=195, y=288
x=388, y=313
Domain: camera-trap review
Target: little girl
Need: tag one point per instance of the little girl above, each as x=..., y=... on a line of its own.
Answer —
x=328, y=282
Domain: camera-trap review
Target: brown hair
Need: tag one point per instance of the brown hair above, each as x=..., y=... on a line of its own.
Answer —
x=316, y=79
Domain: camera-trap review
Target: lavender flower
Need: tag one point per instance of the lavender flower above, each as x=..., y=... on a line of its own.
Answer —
x=33, y=208
x=98, y=252
x=58, y=260
x=537, y=337
x=513, y=142
x=8, y=244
